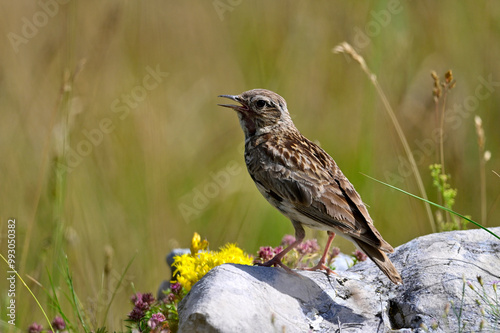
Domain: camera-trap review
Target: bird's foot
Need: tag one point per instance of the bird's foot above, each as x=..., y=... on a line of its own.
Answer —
x=320, y=266
x=276, y=262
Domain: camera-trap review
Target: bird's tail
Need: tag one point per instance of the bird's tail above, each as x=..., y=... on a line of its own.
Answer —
x=381, y=260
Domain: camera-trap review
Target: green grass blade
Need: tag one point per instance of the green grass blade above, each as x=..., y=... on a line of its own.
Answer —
x=55, y=300
x=435, y=205
x=117, y=286
x=76, y=302
x=32, y=295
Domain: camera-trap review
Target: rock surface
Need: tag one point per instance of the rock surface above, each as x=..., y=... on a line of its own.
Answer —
x=236, y=298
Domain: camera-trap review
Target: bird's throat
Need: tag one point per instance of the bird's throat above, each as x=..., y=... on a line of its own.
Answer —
x=247, y=124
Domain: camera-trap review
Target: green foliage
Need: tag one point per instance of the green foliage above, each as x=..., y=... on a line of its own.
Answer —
x=447, y=194
x=440, y=181
x=152, y=315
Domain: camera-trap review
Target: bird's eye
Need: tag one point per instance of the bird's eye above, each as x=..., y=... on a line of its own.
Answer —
x=261, y=103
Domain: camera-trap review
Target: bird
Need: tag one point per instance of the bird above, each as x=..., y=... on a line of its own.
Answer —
x=303, y=182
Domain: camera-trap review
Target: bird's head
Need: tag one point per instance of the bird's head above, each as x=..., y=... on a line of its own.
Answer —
x=261, y=111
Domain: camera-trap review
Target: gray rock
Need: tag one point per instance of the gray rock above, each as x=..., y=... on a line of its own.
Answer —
x=237, y=298
x=165, y=285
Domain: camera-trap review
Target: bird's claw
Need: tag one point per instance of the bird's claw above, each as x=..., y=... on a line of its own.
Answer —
x=320, y=266
x=276, y=262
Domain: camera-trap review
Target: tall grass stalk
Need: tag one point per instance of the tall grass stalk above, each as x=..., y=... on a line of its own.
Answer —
x=458, y=312
x=75, y=301
x=349, y=50
x=58, y=179
x=436, y=205
x=484, y=157
x=115, y=290
x=440, y=93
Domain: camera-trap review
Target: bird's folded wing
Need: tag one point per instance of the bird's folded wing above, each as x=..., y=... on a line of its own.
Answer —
x=325, y=196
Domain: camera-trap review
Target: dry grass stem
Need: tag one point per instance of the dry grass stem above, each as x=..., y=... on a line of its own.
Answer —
x=346, y=48
x=484, y=156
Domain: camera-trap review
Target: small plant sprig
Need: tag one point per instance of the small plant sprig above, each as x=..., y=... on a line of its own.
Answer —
x=304, y=255
x=447, y=194
x=489, y=302
x=150, y=315
x=440, y=92
x=441, y=180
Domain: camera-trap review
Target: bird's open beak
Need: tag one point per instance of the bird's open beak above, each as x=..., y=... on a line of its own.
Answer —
x=236, y=98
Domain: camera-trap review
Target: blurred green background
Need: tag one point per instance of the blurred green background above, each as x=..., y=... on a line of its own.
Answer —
x=104, y=161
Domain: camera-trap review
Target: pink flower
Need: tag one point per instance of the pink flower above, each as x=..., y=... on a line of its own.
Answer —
x=171, y=298
x=156, y=319
x=266, y=253
x=136, y=297
x=139, y=310
x=287, y=240
x=335, y=252
x=309, y=246
x=360, y=255
x=148, y=298
x=176, y=288
x=35, y=328
x=58, y=324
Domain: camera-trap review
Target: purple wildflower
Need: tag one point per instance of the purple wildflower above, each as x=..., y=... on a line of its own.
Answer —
x=266, y=253
x=278, y=249
x=335, y=252
x=136, y=297
x=142, y=305
x=140, y=308
x=360, y=255
x=309, y=246
x=35, y=328
x=170, y=298
x=58, y=323
x=148, y=298
x=176, y=288
x=156, y=319
x=136, y=314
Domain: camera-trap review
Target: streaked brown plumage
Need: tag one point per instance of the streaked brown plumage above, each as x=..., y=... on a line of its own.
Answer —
x=302, y=181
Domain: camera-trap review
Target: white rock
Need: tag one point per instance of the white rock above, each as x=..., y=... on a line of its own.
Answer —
x=236, y=298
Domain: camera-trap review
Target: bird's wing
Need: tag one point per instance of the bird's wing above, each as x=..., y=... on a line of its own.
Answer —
x=308, y=178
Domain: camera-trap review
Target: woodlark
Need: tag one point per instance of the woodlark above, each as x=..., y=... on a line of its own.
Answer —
x=302, y=181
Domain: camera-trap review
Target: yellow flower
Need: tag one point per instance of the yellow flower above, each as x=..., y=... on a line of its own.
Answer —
x=197, y=244
x=192, y=267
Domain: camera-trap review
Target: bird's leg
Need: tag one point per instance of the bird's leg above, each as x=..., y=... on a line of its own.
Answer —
x=322, y=261
x=276, y=260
